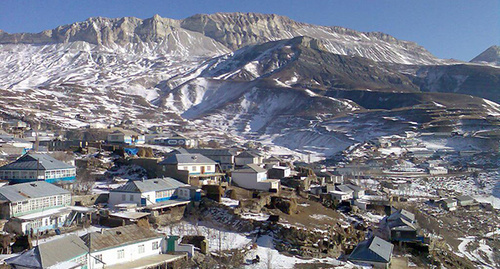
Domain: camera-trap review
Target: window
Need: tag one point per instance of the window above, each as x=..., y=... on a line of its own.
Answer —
x=124, y=197
x=98, y=259
x=141, y=249
x=193, y=168
x=155, y=245
x=121, y=254
x=131, y=197
x=208, y=168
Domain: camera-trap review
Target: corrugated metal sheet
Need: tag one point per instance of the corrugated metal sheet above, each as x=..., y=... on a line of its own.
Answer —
x=33, y=161
x=25, y=191
x=119, y=236
x=155, y=184
x=187, y=159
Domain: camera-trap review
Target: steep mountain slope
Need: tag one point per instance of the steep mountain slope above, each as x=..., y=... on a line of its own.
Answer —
x=490, y=56
x=310, y=89
x=236, y=30
x=476, y=80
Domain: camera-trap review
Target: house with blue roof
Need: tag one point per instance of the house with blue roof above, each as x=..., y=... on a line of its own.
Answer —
x=37, y=167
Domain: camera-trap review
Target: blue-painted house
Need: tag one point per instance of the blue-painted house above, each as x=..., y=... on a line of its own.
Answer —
x=150, y=191
x=37, y=167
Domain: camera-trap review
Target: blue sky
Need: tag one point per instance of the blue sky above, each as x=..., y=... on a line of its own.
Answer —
x=447, y=28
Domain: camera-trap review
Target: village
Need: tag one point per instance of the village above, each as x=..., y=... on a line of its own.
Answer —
x=115, y=197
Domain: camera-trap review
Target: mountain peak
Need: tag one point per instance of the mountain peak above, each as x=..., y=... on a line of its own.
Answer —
x=490, y=56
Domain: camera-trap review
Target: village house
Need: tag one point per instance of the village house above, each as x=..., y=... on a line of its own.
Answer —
x=401, y=225
x=130, y=246
x=176, y=140
x=340, y=196
x=224, y=157
x=66, y=252
x=465, y=200
x=254, y=177
x=449, y=204
x=248, y=157
x=37, y=167
x=149, y=191
x=19, y=145
x=34, y=207
x=327, y=177
x=193, y=169
x=128, y=137
x=27, y=198
x=374, y=251
x=345, y=189
x=279, y=172
x=434, y=171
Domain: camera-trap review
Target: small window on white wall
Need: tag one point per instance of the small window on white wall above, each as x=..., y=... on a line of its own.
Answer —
x=155, y=245
x=141, y=249
x=121, y=254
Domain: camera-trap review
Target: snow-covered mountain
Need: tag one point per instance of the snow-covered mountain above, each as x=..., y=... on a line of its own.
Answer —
x=490, y=56
x=235, y=76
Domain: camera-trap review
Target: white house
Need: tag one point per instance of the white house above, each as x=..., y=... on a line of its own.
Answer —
x=345, y=189
x=340, y=196
x=33, y=197
x=357, y=192
x=247, y=157
x=126, y=137
x=130, y=246
x=438, y=171
x=194, y=169
x=254, y=177
x=149, y=191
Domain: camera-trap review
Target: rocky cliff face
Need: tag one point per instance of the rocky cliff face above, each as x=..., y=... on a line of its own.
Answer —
x=217, y=32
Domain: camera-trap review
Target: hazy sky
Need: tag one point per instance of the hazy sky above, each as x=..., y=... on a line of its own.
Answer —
x=447, y=28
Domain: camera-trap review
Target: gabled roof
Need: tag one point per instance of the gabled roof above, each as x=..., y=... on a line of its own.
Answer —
x=211, y=152
x=344, y=188
x=120, y=236
x=51, y=253
x=402, y=213
x=25, y=191
x=124, y=132
x=35, y=161
x=250, y=168
x=464, y=198
x=373, y=250
x=248, y=154
x=402, y=220
x=354, y=187
x=155, y=184
x=187, y=158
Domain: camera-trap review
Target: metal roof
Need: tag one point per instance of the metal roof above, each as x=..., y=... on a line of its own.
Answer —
x=30, y=190
x=250, y=168
x=187, y=158
x=344, y=188
x=51, y=253
x=120, y=236
x=464, y=198
x=211, y=152
x=373, y=250
x=248, y=154
x=155, y=184
x=35, y=161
